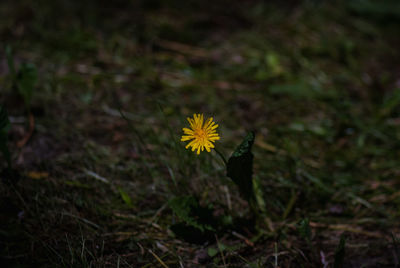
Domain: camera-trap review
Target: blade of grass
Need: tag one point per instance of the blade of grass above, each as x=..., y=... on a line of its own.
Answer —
x=340, y=252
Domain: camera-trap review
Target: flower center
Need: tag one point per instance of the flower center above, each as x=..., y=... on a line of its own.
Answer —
x=200, y=134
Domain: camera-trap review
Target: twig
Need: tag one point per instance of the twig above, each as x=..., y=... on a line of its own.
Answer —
x=183, y=48
x=117, y=113
x=158, y=212
x=290, y=205
x=96, y=176
x=247, y=241
x=158, y=259
x=220, y=251
x=228, y=197
x=82, y=219
x=344, y=227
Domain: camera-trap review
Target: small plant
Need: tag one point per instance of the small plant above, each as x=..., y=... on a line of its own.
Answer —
x=202, y=135
x=24, y=80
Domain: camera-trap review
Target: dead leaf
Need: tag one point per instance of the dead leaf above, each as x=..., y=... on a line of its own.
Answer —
x=37, y=175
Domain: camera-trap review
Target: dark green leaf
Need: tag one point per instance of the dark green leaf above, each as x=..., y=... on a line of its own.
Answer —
x=4, y=122
x=240, y=167
x=191, y=234
x=188, y=209
x=4, y=127
x=391, y=102
x=10, y=60
x=395, y=245
x=339, y=253
x=26, y=81
x=376, y=9
x=5, y=151
x=304, y=229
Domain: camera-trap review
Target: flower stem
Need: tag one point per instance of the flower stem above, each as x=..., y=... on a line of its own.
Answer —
x=221, y=155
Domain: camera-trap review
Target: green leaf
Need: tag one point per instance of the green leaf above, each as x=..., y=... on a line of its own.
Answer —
x=258, y=194
x=10, y=60
x=4, y=127
x=339, y=253
x=222, y=247
x=4, y=121
x=188, y=209
x=212, y=252
x=391, y=102
x=304, y=229
x=127, y=199
x=240, y=167
x=26, y=81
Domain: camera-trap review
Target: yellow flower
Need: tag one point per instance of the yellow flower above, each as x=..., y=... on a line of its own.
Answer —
x=202, y=136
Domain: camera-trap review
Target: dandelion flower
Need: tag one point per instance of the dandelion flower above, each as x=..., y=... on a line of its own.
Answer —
x=201, y=135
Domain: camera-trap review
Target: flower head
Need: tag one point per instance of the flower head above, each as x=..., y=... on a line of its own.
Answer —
x=202, y=135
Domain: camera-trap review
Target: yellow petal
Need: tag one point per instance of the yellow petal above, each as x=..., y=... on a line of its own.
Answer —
x=186, y=138
x=187, y=131
x=190, y=144
x=208, y=122
x=201, y=120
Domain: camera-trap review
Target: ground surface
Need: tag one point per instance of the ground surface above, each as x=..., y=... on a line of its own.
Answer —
x=319, y=82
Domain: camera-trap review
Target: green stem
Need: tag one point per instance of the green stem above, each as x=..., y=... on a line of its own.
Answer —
x=221, y=155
